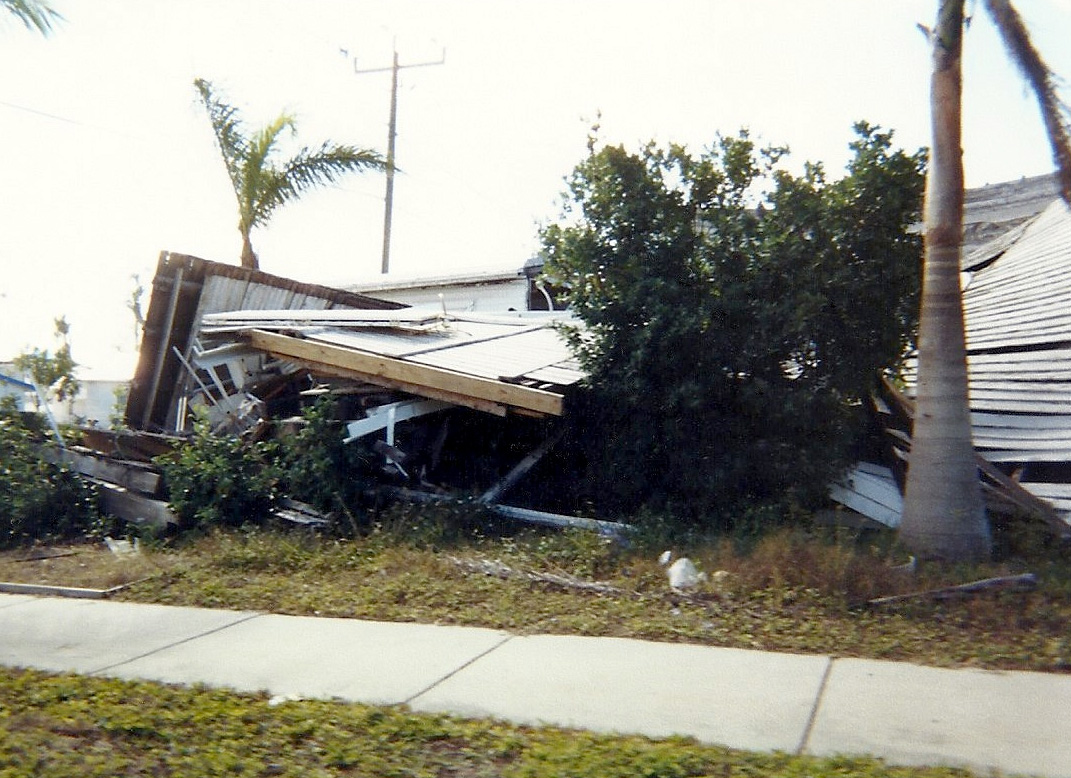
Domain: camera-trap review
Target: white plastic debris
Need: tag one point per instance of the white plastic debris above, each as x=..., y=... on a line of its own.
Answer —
x=279, y=699
x=664, y=557
x=122, y=547
x=684, y=575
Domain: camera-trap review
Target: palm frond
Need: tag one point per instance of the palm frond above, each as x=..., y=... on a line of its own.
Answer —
x=1043, y=82
x=227, y=127
x=309, y=169
x=259, y=175
x=35, y=14
x=259, y=185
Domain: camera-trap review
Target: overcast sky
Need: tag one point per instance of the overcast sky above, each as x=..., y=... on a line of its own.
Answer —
x=107, y=158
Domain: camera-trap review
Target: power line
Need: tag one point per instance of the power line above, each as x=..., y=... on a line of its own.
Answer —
x=43, y=113
x=76, y=122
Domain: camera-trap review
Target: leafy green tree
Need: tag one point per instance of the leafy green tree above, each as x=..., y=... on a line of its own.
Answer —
x=731, y=332
x=944, y=516
x=260, y=185
x=317, y=467
x=53, y=373
x=35, y=14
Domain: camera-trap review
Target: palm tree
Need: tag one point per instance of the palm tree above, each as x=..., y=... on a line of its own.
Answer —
x=35, y=14
x=259, y=184
x=944, y=516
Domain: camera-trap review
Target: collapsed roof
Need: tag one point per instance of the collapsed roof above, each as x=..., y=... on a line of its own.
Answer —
x=184, y=290
x=1017, y=310
x=214, y=331
x=251, y=349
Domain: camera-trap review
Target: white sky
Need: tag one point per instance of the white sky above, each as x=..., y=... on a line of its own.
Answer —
x=106, y=158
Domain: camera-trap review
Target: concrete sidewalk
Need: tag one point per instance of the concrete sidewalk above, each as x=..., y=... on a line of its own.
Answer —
x=1009, y=721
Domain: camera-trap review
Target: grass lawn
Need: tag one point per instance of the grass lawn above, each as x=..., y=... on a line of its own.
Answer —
x=792, y=591
x=57, y=726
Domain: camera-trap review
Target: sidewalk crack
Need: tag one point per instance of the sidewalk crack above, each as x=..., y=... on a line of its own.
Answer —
x=455, y=671
x=198, y=636
x=813, y=717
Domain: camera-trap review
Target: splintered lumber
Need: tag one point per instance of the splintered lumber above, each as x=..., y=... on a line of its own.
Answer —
x=518, y=472
x=300, y=513
x=1007, y=583
x=133, y=507
x=131, y=475
x=499, y=569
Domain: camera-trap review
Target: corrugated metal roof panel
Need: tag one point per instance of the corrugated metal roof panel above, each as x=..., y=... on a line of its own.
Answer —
x=507, y=348
x=562, y=374
x=512, y=356
x=394, y=343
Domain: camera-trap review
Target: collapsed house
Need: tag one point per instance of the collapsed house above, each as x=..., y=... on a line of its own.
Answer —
x=247, y=351
x=250, y=349
x=1016, y=293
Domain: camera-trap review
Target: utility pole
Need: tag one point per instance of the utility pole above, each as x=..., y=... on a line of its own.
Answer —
x=388, y=203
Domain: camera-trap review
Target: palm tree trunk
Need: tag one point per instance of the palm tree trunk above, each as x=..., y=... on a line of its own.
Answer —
x=944, y=516
x=249, y=257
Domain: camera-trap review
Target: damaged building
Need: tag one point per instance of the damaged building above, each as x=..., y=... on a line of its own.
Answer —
x=469, y=402
x=248, y=351
x=1018, y=324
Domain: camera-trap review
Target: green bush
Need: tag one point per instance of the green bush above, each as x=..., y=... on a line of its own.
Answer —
x=39, y=499
x=318, y=468
x=220, y=480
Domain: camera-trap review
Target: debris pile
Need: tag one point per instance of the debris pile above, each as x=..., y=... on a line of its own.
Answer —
x=450, y=403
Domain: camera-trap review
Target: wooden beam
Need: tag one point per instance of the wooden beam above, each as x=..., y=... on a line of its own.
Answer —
x=130, y=475
x=322, y=370
x=371, y=367
x=139, y=510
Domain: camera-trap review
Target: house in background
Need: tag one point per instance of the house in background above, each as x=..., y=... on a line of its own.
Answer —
x=20, y=391
x=98, y=400
x=478, y=291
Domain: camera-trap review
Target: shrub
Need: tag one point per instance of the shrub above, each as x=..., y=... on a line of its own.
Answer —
x=318, y=468
x=39, y=499
x=220, y=480
x=735, y=319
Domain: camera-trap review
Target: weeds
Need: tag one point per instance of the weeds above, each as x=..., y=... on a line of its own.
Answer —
x=793, y=591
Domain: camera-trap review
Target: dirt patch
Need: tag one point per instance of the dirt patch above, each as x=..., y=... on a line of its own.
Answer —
x=85, y=566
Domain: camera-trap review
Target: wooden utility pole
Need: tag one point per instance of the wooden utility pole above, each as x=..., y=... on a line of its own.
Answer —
x=388, y=203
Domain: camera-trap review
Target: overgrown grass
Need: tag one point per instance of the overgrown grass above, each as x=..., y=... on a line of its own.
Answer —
x=792, y=590
x=56, y=726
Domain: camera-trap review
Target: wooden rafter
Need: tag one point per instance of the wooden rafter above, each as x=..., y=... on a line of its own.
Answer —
x=423, y=380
